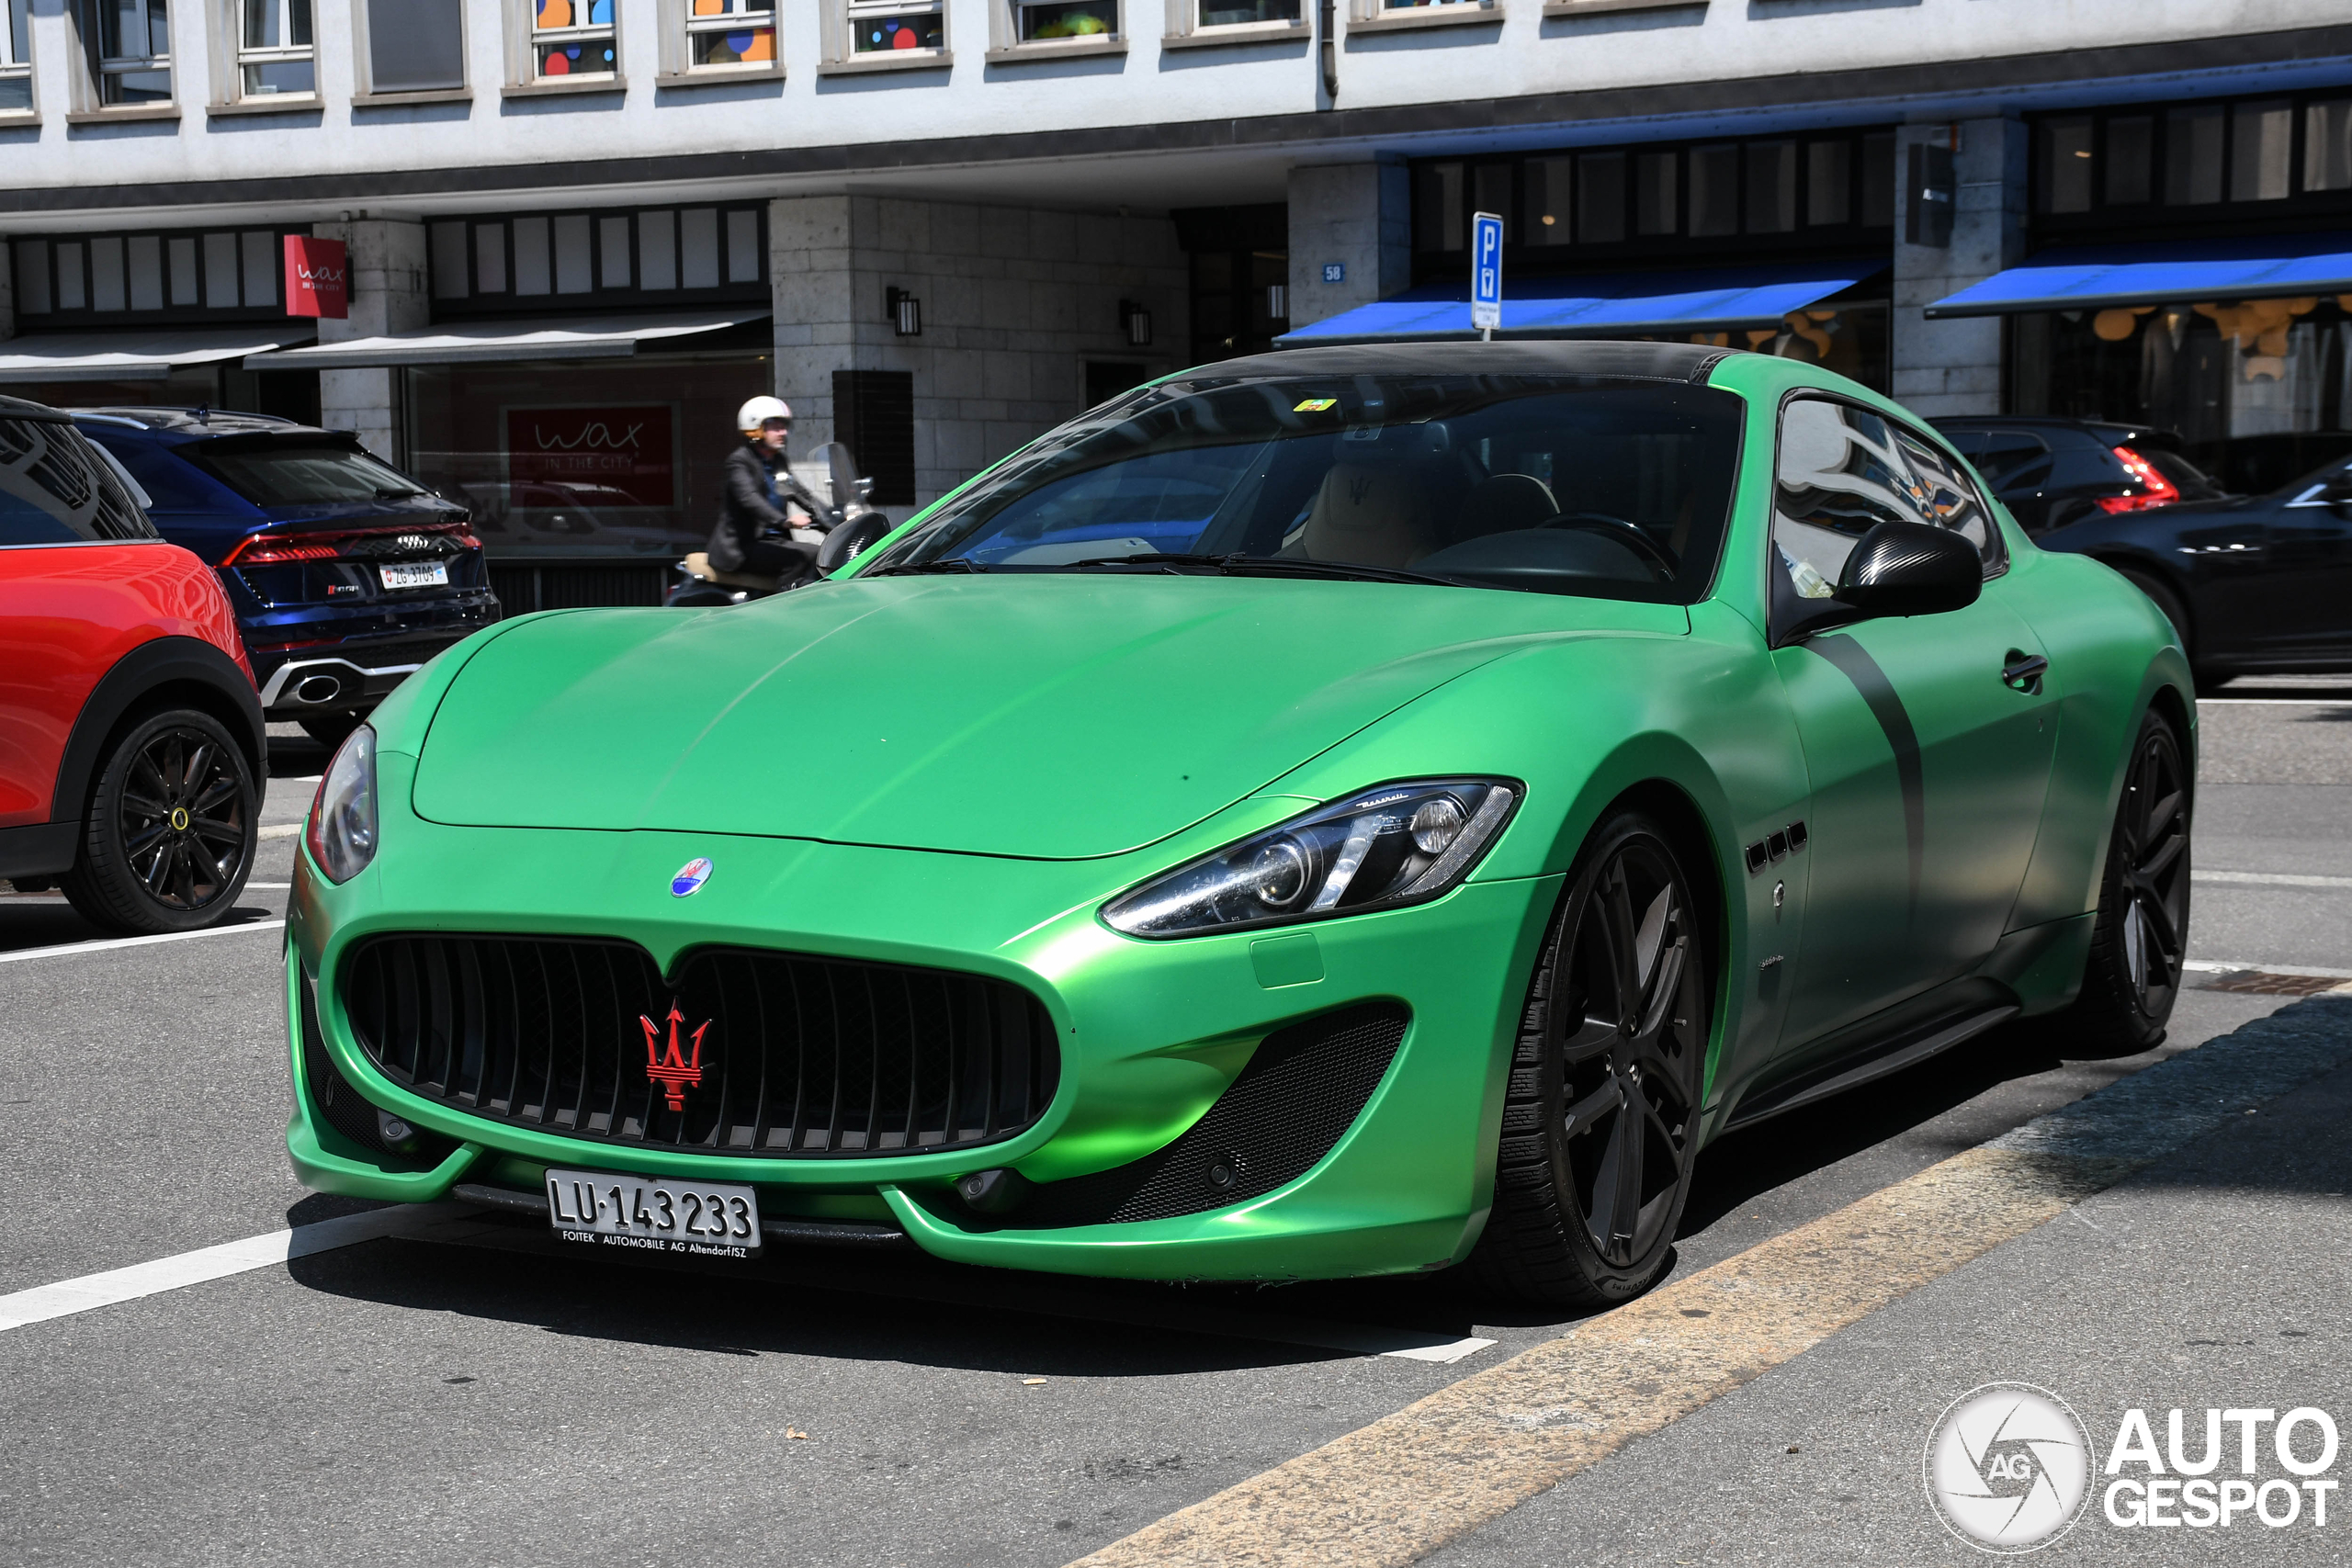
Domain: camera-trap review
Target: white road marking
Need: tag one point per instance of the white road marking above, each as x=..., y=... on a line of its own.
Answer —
x=2280, y=702
x=63, y=949
x=282, y=830
x=2226, y=965
x=118, y=1285
x=2255, y=878
x=2348, y=884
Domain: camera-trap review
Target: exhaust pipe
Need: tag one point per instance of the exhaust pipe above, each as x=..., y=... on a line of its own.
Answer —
x=318, y=689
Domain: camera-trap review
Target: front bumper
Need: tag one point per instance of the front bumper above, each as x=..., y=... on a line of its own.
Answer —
x=1152, y=1034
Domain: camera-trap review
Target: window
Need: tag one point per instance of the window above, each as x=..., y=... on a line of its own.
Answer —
x=721, y=33
x=414, y=46
x=2260, y=137
x=2130, y=160
x=1714, y=189
x=53, y=491
x=134, y=51
x=2327, y=146
x=16, y=59
x=648, y=257
x=273, y=49
x=2193, y=156
x=2066, y=165
x=1548, y=189
x=572, y=37
x=1444, y=225
x=1600, y=199
x=1842, y=471
x=1045, y=21
x=1771, y=188
x=198, y=276
x=1830, y=179
x=2090, y=167
x=1656, y=209
x=881, y=27
x=303, y=473
x=1242, y=13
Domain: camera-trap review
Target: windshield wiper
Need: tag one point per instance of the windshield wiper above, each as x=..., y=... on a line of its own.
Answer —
x=921, y=567
x=1152, y=558
x=1291, y=565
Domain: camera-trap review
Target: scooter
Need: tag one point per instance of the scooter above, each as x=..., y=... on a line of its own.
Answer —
x=847, y=528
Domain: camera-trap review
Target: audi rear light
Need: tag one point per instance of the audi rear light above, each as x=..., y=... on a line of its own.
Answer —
x=2156, y=490
x=264, y=549
x=269, y=549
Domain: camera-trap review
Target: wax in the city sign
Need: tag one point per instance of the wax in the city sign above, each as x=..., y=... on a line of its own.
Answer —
x=318, y=278
x=1485, y=271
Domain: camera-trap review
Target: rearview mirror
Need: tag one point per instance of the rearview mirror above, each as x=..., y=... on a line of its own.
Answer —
x=1910, y=569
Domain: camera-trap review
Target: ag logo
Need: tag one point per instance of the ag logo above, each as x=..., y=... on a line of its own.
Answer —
x=2008, y=1468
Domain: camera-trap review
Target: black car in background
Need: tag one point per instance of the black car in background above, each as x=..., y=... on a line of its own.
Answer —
x=2253, y=582
x=345, y=573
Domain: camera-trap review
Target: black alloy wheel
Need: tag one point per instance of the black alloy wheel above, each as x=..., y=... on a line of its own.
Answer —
x=1600, y=1126
x=2141, y=934
x=170, y=829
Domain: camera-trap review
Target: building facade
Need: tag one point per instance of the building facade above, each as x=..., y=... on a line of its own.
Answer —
x=581, y=231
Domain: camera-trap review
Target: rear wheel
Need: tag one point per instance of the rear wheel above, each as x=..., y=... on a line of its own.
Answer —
x=168, y=833
x=2142, y=932
x=1600, y=1126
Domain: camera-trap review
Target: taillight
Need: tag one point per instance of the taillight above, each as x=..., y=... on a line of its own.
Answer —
x=270, y=549
x=2156, y=490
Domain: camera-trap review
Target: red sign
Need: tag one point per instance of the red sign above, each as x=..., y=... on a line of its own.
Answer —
x=594, y=457
x=318, y=278
x=672, y=1073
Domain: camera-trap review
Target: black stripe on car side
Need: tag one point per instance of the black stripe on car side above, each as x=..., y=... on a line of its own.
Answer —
x=1879, y=695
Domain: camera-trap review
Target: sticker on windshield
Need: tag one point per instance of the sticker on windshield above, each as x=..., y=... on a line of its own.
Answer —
x=1317, y=405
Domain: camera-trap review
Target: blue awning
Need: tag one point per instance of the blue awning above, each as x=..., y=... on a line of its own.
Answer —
x=1617, y=304
x=2222, y=269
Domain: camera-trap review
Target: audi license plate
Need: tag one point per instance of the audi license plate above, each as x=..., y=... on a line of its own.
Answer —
x=415, y=574
x=711, y=1218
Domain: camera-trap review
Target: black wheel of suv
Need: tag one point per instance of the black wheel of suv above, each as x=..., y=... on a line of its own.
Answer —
x=2142, y=932
x=170, y=826
x=331, y=730
x=1600, y=1126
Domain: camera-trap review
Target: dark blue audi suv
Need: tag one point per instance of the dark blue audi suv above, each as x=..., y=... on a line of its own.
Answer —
x=345, y=573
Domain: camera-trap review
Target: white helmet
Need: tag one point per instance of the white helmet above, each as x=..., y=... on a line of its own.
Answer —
x=759, y=410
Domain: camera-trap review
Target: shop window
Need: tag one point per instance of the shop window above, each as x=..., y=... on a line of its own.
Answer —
x=133, y=62
x=1239, y=301
x=274, y=48
x=1443, y=225
x=728, y=35
x=873, y=416
x=1714, y=189
x=2327, y=145
x=1878, y=180
x=1549, y=187
x=1047, y=21
x=489, y=265
x=878, y=26
x=2130, y=160
x=2192, y=156
x=571, y=39
x=1771, y=188
x=1829, y=183
x=198, y=276
x=1490, y=184
x=16, y=59
x=1600, y=199
x=2066, y=164
x=1656, y=207
x=2261, y=137
x=412, y=46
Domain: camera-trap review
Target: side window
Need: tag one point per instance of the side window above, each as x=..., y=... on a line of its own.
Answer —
x=1842, y=471
x=53, y=491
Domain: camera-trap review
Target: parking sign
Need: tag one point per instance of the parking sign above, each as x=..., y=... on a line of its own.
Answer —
x=1487, y=271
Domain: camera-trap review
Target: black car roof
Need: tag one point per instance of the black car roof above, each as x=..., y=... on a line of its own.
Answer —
x=18, y=408
x=195, y=421
x=1649, y=361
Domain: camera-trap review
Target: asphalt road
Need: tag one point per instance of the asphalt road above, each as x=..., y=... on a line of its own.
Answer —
x=487, y=1402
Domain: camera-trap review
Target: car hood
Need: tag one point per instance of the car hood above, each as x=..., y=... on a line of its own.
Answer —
x=1045, y=717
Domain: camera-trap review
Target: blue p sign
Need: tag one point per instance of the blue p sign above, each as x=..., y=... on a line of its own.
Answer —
x=1485, y=271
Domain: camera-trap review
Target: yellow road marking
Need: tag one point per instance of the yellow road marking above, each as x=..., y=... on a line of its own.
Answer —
x=1400, y=1488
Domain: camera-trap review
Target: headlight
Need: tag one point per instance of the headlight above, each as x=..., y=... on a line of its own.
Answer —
x=342, y=830
x=1398, y=844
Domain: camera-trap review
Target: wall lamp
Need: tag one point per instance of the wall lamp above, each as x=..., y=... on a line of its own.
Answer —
x=906, y=312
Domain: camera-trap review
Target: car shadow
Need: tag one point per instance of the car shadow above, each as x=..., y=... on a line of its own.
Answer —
x=30, y=920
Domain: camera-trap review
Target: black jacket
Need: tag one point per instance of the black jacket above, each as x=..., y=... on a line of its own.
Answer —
x=751, y=502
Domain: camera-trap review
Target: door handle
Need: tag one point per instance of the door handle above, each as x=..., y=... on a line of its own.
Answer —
x=2023, y=672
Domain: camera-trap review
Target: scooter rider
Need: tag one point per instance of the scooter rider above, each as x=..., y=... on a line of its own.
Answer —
x=758, y=487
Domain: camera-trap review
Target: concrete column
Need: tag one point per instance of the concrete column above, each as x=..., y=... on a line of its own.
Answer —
x=1954, y=368
x=389, y=286
x=813, y=281
x=1357, y=216
x=7, y=288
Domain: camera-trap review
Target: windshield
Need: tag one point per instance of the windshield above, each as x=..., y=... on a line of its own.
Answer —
x=290, y=475
x=1551, y=484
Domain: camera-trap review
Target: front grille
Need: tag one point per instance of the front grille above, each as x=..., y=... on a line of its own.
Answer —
x=1301, y=1090
x=341, y=1106
x=798, y=1057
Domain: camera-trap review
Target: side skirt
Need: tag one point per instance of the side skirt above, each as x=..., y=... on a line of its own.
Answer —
x=1905, y=1045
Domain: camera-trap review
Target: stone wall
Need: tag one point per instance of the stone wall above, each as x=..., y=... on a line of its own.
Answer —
x=1954, y=368
x=390, y=292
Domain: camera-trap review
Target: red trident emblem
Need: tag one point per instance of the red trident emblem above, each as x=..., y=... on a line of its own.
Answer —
x=675, y=1072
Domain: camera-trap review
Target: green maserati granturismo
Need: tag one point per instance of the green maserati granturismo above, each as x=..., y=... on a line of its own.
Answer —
x=1341, y=812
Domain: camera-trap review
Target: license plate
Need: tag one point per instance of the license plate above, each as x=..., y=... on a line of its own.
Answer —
x=422, y=574
x=714, y=1219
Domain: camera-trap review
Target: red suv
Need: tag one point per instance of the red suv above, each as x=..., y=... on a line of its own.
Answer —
x=131, y=746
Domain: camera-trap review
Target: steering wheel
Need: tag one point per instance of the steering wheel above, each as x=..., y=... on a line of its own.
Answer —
x=1627, y=533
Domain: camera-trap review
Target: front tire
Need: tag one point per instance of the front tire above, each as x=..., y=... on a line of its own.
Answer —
x=169, y=830
x=2141, y=935
x=1600, y=1126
